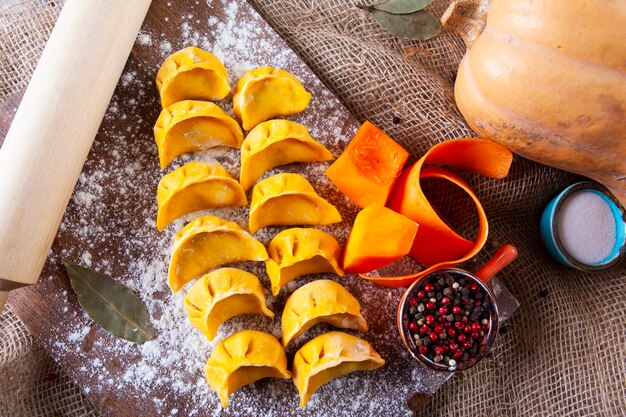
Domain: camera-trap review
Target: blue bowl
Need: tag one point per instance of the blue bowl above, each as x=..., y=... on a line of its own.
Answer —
x=550, y=233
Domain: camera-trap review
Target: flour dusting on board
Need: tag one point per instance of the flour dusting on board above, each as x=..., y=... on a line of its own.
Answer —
x=112, y=216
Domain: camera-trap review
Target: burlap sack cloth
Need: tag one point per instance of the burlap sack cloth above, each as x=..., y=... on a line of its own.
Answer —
x=564, y=351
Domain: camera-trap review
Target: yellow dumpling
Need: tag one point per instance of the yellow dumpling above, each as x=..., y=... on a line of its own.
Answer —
x=222, y=294
x=289, y=200
x=196, y=186
x=242, y=359
x=274, y=143
x=193, y=126
x=192, y=73
x=266, y=93
x=296, y=252
x=320, y=301
x=208, y=242
x=330, y=356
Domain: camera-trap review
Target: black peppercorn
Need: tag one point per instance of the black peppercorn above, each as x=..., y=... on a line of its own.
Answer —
x=447, y=313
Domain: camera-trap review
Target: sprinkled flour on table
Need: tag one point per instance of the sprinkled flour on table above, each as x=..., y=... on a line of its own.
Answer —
x=110, y=226
x=144, y=39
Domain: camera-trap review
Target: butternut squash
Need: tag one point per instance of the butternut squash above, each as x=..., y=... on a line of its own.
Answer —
x=547, y=79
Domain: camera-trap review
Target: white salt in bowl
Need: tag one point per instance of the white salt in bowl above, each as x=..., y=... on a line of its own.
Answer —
x=584, y=227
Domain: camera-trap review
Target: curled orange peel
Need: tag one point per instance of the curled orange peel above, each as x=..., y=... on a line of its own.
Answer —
x=436, y=245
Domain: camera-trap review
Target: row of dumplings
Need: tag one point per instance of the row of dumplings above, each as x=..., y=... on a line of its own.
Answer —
x=188, y=123
x=208, y=242
x=249, y=355
x=283, y=199
x=227, y=292
x=191, y=78
x=200, y=185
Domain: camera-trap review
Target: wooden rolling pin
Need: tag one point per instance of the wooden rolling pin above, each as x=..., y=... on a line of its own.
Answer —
x=54, y=127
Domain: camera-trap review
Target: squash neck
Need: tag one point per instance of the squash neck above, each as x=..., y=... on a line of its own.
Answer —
x=467, y=18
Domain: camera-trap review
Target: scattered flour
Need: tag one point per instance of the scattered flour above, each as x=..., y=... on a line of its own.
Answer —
x=79, y=336
x=84, y=198
x=86, y=259
x=144, y=39
x=165, y=47
x=128, y=78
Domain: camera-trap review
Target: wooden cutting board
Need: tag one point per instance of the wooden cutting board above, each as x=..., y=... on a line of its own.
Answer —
x=109, y=226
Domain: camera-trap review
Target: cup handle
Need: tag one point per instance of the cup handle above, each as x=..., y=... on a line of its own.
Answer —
x=504, y=256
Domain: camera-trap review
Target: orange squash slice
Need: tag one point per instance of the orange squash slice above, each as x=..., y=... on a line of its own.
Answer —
x=378, y=237
x=369, y=166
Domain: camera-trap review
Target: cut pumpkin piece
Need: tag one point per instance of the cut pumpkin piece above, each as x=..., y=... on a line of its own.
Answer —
x=330, y=356
x=222, y=294
x=289, y=200
x=208, y=242
x=320, y=301
x=378, y=237
x=266, y=93
x=436, y=241
x=296, y=252
x=192, y=73
x=369, y=166
x=243, y=358
x=436, y=244
x=274, y=143
x=196, y=186
x=193, y=126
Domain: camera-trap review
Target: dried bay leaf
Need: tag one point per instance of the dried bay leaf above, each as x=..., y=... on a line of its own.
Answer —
x=417, y=26
x=400, y=6
x=112, y=305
